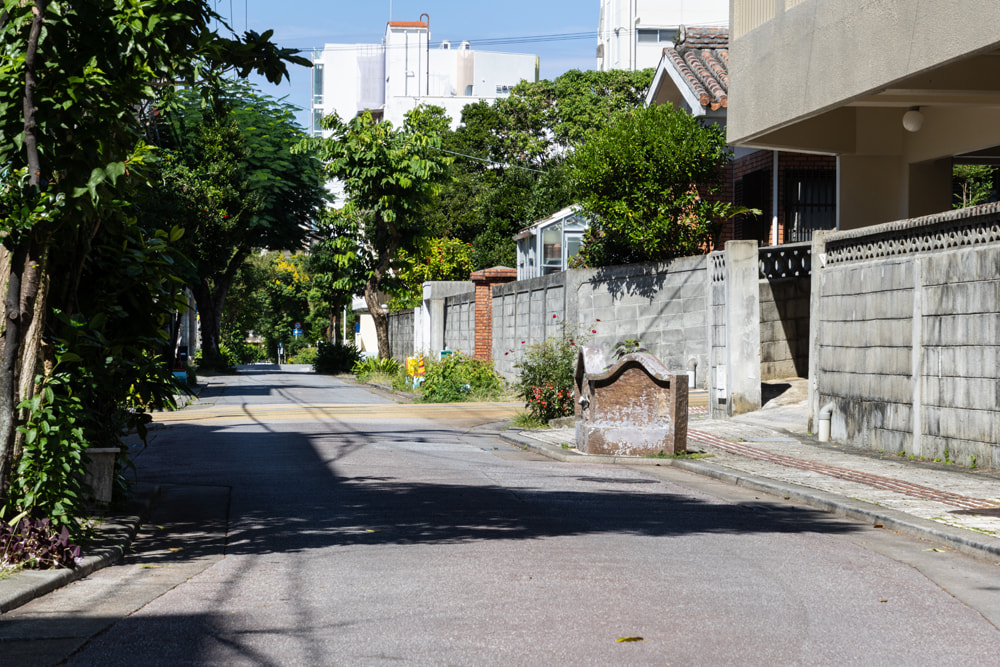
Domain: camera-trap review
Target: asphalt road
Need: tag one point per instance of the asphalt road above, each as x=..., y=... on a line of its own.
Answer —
x=307, y=521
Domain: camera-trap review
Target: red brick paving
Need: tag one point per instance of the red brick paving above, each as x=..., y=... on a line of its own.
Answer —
x=877, y=481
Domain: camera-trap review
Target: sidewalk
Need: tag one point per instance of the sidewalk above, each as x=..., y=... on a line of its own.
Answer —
x=771, y=452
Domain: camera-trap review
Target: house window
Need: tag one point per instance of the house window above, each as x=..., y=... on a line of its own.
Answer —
x=653, y=36
x=810, y=203
x=552, y=258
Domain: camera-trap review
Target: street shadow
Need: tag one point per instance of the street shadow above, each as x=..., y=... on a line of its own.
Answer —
x=294, y=492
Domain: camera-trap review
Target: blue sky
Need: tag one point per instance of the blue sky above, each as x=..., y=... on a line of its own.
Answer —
x=308, y=24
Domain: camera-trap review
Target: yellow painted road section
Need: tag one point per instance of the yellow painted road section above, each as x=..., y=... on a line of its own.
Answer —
x=453, y=413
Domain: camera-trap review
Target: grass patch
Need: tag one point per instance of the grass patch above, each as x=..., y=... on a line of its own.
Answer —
x=684, y=455
x=528, y=421
x=9, y=571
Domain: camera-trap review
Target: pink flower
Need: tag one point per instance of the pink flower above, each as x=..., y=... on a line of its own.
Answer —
x=593, y=331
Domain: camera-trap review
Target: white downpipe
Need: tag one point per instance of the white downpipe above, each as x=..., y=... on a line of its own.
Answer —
x=825, y=414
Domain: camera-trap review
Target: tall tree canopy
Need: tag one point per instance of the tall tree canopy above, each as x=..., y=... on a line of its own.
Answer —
x=75, y=79
x=647, y=181
x=515, y=171
x=238, y=186
x=389, y=176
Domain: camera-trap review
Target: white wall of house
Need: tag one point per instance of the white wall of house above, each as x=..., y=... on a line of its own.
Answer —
x=838, y=77
x=632, y=33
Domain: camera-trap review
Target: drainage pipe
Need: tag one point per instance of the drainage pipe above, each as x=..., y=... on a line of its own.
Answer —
x=825, y=413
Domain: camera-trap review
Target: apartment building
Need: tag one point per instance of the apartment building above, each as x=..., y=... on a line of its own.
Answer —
x=407, y=70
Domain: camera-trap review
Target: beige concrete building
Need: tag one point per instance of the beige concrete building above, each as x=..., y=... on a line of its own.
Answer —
x=897, y=90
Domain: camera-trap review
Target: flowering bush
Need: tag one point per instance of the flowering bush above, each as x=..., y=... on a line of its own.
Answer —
x=546, y=377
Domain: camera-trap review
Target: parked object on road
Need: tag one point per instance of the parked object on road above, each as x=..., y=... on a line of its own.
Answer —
x=632, y=407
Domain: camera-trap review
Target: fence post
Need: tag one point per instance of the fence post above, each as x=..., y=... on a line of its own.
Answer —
x=734, y=378
x=484, y=281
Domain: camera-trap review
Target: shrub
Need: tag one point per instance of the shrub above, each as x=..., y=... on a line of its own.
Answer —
x=459, y=378
x=335, y=357
x=375, y=366
x=306, y=355
x=36, y=544
x=546, y=377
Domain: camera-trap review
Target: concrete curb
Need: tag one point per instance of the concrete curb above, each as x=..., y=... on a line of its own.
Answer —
x=953, y=538
x=113, y=537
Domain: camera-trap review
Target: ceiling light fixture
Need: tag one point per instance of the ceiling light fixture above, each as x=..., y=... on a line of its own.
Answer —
x=913, y=120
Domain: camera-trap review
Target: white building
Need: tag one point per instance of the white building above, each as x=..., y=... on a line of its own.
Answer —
x=406, y=70
x=633, y=33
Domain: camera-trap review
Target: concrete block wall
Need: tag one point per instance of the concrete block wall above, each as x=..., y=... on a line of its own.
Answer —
x=784, y=328
x=906, y=336
x=523, y=315
x=460, y=323
x=664, y=305
x=401, y=334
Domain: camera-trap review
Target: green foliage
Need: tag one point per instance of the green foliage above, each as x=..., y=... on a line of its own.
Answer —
x=93, y=255
x=516, y=171
x=627, y=346
x=306, y=355
x=546, y=377
x=438, y=259
x=460, y=378
x=374, y=366
x=237, y=185
x=335, y=357
x=645, y=180
x=47, y=480
x=973, y=184
x=389, y=176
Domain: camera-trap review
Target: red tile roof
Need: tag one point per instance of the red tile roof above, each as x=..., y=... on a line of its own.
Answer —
x=408, y=24
x=701, y=56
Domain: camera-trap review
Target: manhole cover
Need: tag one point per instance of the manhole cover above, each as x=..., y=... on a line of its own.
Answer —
x=618, y=480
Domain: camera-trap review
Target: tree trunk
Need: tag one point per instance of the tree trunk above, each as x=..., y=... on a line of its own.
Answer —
x=380, y=317
x=10, y=340
x=210, y=300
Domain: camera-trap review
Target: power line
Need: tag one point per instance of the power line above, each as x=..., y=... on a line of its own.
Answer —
x=485, y=41
x=491, y=162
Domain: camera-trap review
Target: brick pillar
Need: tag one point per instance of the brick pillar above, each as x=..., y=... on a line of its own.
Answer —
x=484, y=281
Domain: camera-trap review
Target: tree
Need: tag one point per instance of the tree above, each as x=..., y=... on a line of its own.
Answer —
x=974, y=184
x=517, y=147
x=389, y=177
x=646, y=181
x=437, y=259
x=240, y=187
x=74, y=77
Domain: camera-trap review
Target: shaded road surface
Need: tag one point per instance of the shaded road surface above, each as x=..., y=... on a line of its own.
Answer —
x=294, y=535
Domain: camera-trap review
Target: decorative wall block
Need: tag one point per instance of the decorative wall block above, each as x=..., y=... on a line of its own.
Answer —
x=633, y=406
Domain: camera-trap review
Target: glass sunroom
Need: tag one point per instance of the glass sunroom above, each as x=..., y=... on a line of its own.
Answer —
x=547, y=246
